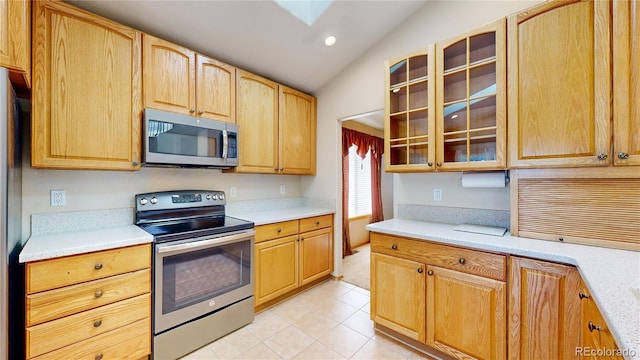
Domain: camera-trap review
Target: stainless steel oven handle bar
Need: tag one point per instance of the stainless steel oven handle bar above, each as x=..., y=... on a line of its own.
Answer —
x=203, y=244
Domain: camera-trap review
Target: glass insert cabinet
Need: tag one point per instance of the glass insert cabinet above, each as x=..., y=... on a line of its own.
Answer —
x=445, y=105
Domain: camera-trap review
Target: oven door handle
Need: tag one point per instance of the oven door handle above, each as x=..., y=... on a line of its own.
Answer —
x=203, y=244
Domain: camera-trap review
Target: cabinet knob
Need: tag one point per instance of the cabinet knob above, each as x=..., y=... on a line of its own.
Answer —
x=97, y=323
x=135, y=163
x=97, y=266
x=99, y=357
x=394, y=247
x=429, y=164
x=462, y=261
x=593, y=327
x=192, y=110
x=301, y=239
x=438, y=163
x=317, y=223
x=430, y=272
x=602, y=156
x=281, y=169
x=279, y=230
x=419, y=270
x=623, y=156
x=582, y=295
x=200, y=112
x=98, y=294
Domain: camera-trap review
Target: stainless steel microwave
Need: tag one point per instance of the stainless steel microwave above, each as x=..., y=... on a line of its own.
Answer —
x=171, y=139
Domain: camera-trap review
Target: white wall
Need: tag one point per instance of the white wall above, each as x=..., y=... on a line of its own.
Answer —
x=360, y=89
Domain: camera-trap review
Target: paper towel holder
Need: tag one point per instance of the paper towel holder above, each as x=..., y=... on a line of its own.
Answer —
x=505, y=172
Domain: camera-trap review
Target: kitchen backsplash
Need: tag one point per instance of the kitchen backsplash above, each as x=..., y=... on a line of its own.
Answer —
x=279, y=203
x=61, y=222
x=453, y=215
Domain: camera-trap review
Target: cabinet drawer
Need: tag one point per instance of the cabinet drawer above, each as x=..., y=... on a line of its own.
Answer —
x=45, y=337
x=469, y=261
x=59, y=272
x=276, y=230
x=128, y=342
x=54, y=304
x=316, y=222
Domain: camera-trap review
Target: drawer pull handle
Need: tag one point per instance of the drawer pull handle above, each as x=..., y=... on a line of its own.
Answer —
x=317, y=222
x=97, y=323
x=430, y=272
x=419, y=270
x=462, y=261
x=99, y=357
x=394, y=247
x=97, y=266
x=98, y=294
x=278, y=230
x=582, y=295
x=592, y=327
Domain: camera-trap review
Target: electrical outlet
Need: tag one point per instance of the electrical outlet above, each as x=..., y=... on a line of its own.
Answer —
x=232, y=191
x=283, y=189
x=58, y=198
x=437, y=194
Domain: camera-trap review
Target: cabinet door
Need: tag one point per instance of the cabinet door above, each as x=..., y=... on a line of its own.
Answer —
x=626, y=80
x=544, y=310
x=297, y=128
x=471, y=99
x=595, y=334
x=276, y=268
x=398, y=295
x=215, y=90
x=466, y=314
x=169, y=76
x=15, y=39
x=316, y=254
x=559, y=85
x=257, y=119
x=86, y=111
x=410, y=130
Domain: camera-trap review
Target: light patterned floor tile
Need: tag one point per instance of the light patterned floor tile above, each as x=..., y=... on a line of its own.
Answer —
x=266, y=324
x=289, y=342
x=259, y=352
x=366, y=308
x=373, y=350
x=204, y=353
x=360, y=321
x=315, y=325
x=354, y=298
x=335, y=310
x=318, y=351
x=292, y=310
x=344, y=341
x=406, y=351
x=234, y=344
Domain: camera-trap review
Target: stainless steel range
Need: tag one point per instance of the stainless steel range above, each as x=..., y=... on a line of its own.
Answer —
x=202, y=269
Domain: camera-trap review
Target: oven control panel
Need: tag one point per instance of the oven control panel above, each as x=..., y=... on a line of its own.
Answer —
x=179, y=199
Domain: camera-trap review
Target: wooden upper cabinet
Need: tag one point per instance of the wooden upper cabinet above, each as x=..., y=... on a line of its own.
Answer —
x=626, y=80
x=297, y=130
x=559, y=85
x=86, y=106
x=15, y=40
x=466, y=314
x=471, y=99
x=544, y=310
x=410, y=131
x=257, y=119
x=215, y=89
x=169, y=76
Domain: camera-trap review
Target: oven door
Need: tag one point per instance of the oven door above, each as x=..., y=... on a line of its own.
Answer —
x=198, y=276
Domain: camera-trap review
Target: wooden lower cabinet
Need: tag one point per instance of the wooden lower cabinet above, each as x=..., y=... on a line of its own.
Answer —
x=398, y=295
x=100, y=303
x=290, y=255
x=544, y=310
x=466, y=314
x=596, y=339
x=441, y=296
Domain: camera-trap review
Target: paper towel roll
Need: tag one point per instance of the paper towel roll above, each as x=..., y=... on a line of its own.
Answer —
x=485, y=179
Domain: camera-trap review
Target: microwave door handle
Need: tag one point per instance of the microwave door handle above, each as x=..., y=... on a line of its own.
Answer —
x=225, y=144
x=203, y=244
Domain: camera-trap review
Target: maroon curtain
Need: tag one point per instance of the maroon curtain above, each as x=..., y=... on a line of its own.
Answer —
x=364, y=142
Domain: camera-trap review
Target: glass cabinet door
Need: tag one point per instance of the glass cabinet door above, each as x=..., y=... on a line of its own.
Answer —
x=470, y=99
x=409, y=118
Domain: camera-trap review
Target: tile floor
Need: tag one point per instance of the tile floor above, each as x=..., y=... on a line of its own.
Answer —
x=329, y=321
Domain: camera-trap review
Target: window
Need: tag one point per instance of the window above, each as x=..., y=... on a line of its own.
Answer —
x=359, y=184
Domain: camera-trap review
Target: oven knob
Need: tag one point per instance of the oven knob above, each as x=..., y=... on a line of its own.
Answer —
x=143, y=201
x=221, y=196
x=208, y=197
x=214, y=197
x=154, y=200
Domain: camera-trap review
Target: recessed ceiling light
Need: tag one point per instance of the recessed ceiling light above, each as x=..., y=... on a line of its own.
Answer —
x=330, y=40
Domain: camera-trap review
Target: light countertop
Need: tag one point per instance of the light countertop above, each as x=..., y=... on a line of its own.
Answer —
x=273, y=216
x=612, y=276
x=42, y=247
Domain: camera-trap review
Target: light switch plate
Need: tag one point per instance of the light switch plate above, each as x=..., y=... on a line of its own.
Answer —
x=437, y=194
x=58, y=198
